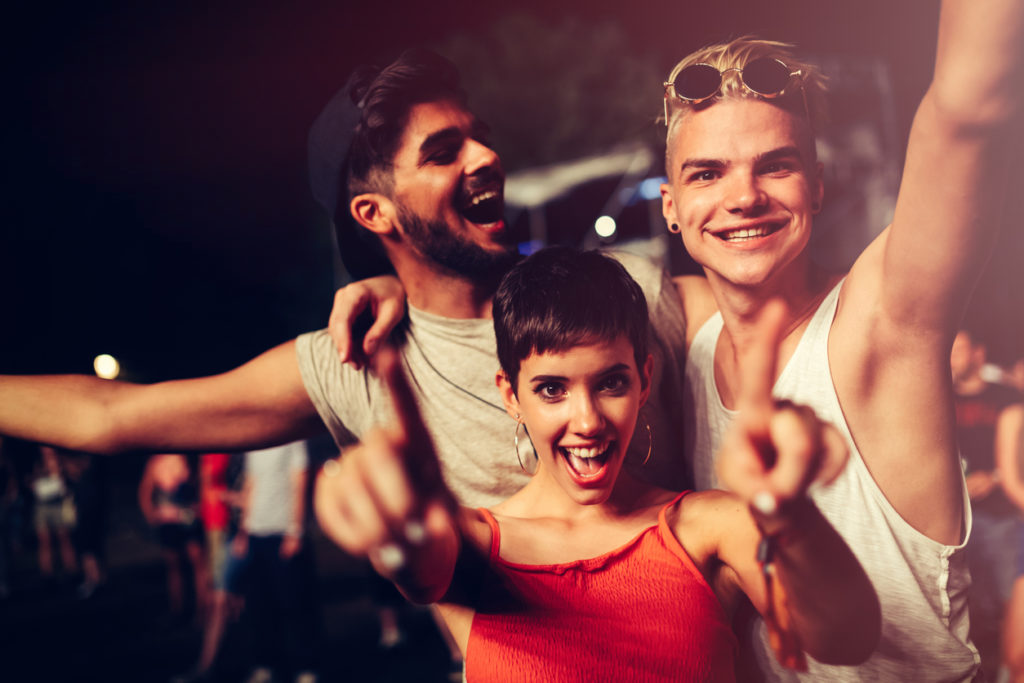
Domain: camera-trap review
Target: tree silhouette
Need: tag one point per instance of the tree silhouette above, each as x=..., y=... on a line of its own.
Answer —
x=556, y=91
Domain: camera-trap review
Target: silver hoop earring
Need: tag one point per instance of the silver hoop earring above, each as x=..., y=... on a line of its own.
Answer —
x=650, y=441
x=515, y=442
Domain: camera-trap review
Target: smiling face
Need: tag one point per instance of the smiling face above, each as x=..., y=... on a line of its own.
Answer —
x=743, y=188
x=448, y=188
x=580, y=408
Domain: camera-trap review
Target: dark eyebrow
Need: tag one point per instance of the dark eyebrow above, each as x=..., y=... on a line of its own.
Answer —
x=440, y=138
x=787, y=152
x=547, y=378
x=618, y=367
x=701, y=163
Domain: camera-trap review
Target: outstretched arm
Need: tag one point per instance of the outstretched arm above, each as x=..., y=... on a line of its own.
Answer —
x=773, y=454
x=258, y=404
x=384, y=498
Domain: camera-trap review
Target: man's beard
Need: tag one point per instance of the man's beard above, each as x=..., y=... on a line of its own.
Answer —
x=454, y=253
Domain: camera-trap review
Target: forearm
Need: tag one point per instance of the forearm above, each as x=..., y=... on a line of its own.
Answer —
x=260, y=404
x=71, y=411
x=961, y=143
x=427, y=570
x=833, y=606
x=978, y=61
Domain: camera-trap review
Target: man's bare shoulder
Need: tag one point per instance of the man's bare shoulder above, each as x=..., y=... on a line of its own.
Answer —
x=698, y=302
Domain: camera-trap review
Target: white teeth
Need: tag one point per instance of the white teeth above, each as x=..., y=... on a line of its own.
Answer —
x=586, y=453
x=746, y=233
x=491, y=194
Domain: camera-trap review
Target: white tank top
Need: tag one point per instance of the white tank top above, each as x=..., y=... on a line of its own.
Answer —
x=921, y=584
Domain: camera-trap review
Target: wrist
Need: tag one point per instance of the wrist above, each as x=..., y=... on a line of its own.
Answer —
x=787, y=521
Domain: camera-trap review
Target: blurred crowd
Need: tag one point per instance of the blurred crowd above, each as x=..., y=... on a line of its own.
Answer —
x=990, y=433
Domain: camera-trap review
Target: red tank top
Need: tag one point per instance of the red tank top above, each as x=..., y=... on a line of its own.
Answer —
x=642, y=612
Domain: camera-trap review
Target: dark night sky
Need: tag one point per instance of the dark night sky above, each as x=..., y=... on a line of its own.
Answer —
x=156, y=203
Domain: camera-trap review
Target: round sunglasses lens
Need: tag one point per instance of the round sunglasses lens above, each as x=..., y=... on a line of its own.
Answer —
x=766, y=76
x=697, y=82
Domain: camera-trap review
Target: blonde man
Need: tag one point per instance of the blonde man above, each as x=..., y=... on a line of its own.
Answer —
x=868, y=350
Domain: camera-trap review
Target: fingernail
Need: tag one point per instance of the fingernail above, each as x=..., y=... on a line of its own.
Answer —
x=332, y=468
x=415, y=532
x=765, y=503
x=391, y=557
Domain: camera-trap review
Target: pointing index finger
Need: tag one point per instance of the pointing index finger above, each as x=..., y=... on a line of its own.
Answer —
x=409, y=430
x=757, y=368
x=409, y=425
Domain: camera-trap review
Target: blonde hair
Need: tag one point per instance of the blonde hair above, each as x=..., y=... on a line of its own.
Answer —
x=736, y=54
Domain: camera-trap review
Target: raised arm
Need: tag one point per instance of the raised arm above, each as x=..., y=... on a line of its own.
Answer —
x=384, y=498
x=259, y=404
x=954, y=181
x=901, y=303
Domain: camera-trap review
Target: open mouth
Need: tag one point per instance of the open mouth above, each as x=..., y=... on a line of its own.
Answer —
x=484, y=207
x=587, y=462
x=749, y=233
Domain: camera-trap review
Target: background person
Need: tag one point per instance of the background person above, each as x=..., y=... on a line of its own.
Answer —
x=280, y=581
x=988, y=430
x=54, y=514
x=169, y=499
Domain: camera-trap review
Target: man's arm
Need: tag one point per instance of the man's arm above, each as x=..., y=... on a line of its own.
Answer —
x=900, y=306
x=259, y=404
x=950, y=201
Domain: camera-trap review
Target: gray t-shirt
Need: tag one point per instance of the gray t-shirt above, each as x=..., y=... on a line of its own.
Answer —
x=921, y=583
x=452, y=364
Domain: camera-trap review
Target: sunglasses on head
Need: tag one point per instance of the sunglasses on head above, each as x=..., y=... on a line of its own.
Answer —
x=764, y=76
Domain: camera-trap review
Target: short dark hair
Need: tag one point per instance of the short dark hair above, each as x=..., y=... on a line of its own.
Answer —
x=353, y=142
x=560, y=297
x=386, y=96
